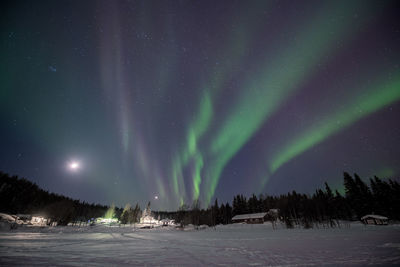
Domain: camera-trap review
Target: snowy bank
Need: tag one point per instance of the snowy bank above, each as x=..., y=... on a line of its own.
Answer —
x=238, y=245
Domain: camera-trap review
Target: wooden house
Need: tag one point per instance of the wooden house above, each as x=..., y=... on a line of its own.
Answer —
x=250, y=218
x=375, y=219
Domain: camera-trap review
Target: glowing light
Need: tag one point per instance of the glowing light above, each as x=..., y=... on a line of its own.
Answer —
x=74, y=165
x=156, y=197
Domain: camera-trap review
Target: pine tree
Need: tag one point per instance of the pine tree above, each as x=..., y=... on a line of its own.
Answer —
x=228, y=213
x=126, y=214
x=215, y=213
x=364, y=201
x=236, y=209
x=195, y=213
x=135, y=214
x=110, y=213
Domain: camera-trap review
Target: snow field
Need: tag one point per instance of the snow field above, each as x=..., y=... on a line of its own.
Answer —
x=231, y=245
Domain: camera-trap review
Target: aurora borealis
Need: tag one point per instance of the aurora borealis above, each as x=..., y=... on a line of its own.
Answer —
x=189, y=100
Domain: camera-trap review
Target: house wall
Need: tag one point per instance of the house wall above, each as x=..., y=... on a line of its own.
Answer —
x=375, y=221
x=250, y=221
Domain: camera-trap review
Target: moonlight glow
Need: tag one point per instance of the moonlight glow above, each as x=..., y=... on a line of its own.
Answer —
x=74, y=165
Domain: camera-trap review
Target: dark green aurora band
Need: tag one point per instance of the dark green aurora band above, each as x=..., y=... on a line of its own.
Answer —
x=198, y=99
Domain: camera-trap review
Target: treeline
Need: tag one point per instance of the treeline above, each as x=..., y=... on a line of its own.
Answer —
x=130, y=215
x=213, y=215
x=20, y=196
x=324, y=207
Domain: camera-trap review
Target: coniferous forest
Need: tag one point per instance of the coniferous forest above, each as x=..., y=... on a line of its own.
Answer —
x=20, y=196
x=324, y=207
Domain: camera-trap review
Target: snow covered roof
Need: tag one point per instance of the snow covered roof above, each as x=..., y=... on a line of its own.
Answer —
x=250, y=216
x=374, y=217
x=6, y=217
x=24, y=215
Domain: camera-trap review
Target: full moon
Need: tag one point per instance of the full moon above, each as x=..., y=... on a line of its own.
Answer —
x=74, y=165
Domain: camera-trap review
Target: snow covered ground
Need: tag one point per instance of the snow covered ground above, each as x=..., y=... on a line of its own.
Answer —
x=232, y=245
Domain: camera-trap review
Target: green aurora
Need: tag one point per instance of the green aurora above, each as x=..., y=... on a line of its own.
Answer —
x=282, y=74
x=197, y=100
x=375, y=98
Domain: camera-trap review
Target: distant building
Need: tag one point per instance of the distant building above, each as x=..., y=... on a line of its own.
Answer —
x=251, y=218
x=7, y=218
x=107, y=220
x=147, y=218
x=375, y=219
x=26, y=218
x=166, y=222
x=39, y=220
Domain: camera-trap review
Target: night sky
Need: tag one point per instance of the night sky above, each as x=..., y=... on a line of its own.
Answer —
x=122, y=101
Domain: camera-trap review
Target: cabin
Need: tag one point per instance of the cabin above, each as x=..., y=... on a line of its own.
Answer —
x=147, y=217
x=375, y=219
x=251, y=218
x=39, y=220
x=26, y=218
